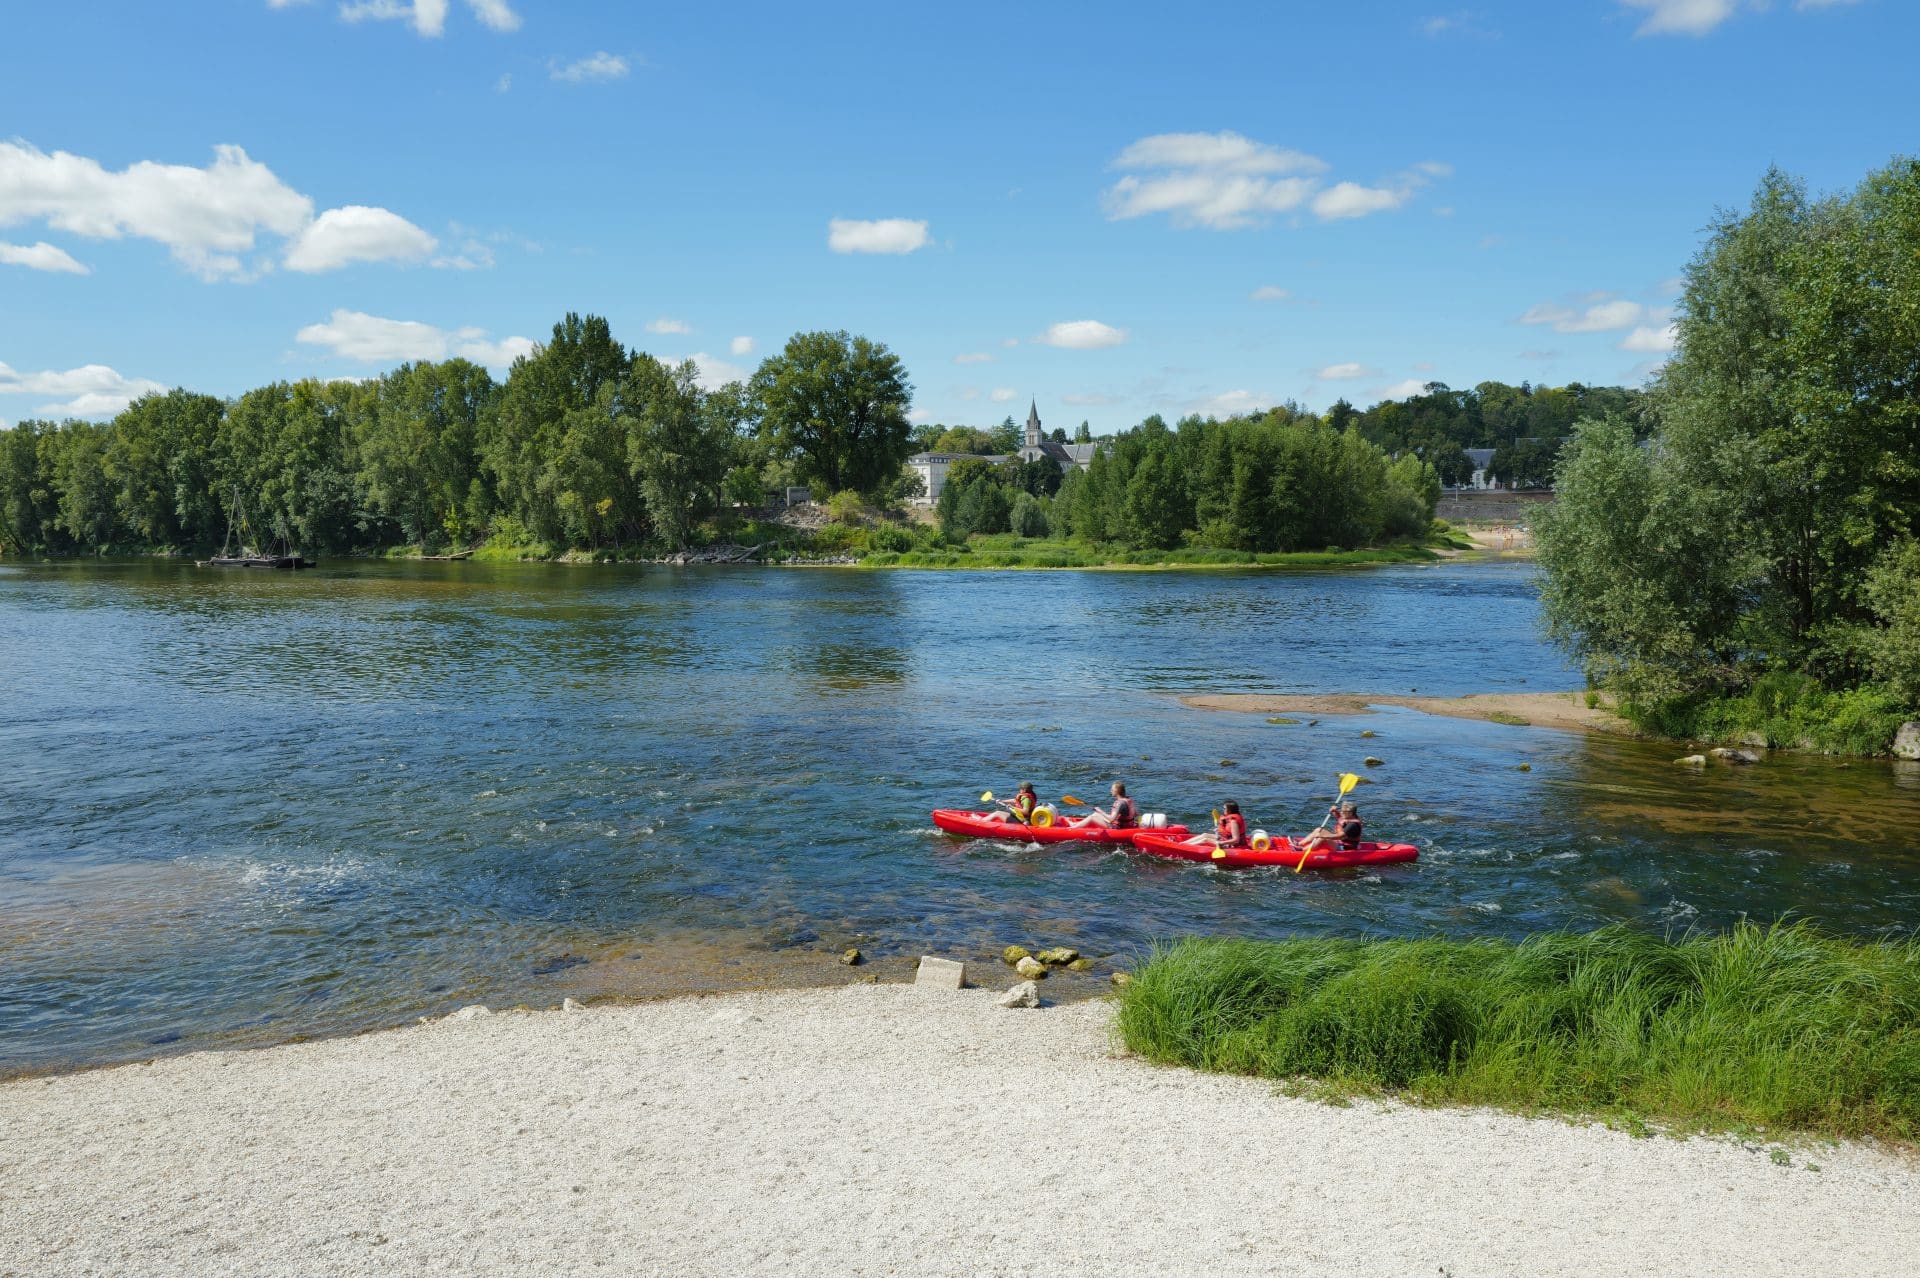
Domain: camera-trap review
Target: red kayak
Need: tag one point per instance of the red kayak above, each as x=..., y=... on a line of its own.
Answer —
x=1283, y=852
x=980, y=825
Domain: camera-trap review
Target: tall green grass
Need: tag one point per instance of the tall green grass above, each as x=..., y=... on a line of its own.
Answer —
x=1778, y=1026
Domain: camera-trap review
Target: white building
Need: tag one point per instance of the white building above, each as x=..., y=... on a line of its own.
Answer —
x=1481, y=459
x=932, y=467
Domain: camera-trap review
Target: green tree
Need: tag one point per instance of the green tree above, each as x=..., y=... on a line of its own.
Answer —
x=520, y=440
x=160, y=458
x=679, y=445
x=838, y=405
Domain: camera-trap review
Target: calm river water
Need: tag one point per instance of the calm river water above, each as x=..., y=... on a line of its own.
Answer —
x=243, y=808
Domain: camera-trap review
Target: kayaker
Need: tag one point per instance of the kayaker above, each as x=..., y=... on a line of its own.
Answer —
x=1343, y=824
x=1123, y=815
x=1021, y=807
x=1229, y=828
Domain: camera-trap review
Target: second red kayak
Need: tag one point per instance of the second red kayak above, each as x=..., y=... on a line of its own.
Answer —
x=1283, y=852
x=981, y=825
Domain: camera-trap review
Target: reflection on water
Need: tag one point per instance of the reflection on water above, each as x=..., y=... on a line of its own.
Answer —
x=243, y=808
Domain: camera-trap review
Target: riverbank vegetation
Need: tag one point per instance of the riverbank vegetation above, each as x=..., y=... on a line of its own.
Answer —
x=1752, y=571
x=1778, y=1027
x=588, y=448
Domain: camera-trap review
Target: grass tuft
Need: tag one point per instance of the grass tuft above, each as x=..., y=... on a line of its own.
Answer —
x=1779, y=1026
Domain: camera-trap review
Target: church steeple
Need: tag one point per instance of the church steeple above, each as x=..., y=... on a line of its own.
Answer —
x=1033, y=424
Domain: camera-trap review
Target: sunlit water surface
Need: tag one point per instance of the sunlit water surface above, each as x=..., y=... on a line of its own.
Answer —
x=242, y=808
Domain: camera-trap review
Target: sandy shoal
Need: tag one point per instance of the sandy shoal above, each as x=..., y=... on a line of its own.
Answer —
x=1566, y=711
x=865, y=1130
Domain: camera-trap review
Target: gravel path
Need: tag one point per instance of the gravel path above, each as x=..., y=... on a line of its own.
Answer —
x=865, y=1130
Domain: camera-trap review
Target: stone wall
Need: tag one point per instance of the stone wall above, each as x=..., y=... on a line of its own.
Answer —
x=1470, y=506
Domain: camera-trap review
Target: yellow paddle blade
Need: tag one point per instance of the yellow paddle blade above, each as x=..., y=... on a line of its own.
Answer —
x=987, y=797
x=1219, y=853
x=1348, y=780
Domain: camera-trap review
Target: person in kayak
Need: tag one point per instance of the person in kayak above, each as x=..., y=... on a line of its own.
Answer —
x=1343, y=826
x=1229, y=828
x=1020, y=808
x=1123, y=815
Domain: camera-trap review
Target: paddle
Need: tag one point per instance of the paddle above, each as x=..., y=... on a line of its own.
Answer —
x=1348, y=780
x=1218, y=851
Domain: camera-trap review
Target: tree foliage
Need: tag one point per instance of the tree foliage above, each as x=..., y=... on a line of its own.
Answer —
x=1767, y=530
x=839, y=404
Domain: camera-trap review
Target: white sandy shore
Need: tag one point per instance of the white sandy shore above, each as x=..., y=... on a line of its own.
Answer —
x=865, y=1130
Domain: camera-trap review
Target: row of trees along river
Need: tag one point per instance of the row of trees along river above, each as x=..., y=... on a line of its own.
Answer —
x=589, y=445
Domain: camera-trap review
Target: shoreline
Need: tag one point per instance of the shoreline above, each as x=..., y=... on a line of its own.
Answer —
x=867, y=1129
x=1560, y=711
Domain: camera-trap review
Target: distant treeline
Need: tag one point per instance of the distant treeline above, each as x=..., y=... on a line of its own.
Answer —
x=589, y=445
x=1525, y=425
x=1282, y=481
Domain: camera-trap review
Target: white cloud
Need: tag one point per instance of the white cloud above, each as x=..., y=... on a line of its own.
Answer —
x=92, y=390
x=1009, y=342
x=373, y=339
x=1221, y=181
x=504, y=83
x=598, y=66
x=1350, y=199
x=884, y=235
x=973, y=357
x=207, y=217
x=1001, y=394
x=1648, y=340
x=1603, y=313
x=473, y=256
x=1233, y=403
x=1349, y=371
x=1225, y=181
x=667, y=325
x=1682, y=17
x=1268, y=293
x=1082, y=335
x=41, y=257
x=713, y=371
x=496, y=15
x=968, y=392
x=741, y=346
x=1401, y=390
x=356, y=233
x=920, y=415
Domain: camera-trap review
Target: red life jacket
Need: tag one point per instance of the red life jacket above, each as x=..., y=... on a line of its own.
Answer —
x=1024, y=803
x=1231, y=830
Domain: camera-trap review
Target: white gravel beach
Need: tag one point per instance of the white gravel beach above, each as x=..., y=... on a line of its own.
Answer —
x=866, y=1130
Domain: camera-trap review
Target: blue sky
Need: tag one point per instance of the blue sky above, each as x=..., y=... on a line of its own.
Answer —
x=1116, y=209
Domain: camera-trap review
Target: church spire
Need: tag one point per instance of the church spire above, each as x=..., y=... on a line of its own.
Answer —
x=1033, y=424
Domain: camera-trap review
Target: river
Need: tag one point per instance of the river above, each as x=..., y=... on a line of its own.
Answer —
x=239, y=808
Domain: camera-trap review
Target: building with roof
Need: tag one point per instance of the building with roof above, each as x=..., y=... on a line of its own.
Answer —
x=1482, y=458
x=933, y=467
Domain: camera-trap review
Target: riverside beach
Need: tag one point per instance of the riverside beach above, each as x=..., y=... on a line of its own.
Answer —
x=871, y=1129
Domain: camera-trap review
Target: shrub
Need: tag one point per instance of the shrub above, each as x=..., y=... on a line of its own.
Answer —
x=845, y=507
x=1781, y=1026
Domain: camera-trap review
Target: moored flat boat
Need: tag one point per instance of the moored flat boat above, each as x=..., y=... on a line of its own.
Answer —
x=983, y=825
x=1285, y=851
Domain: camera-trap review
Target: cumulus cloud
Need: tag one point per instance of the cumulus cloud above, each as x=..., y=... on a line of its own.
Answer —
x=1221, y=181
x=92, y=390
x=41, y=257
x=710, y=371
x=1233, y=403
x=1268, y=293
x=667, y=325
x=1401, y=390
x=1226, y=181
x=741, y=346
x=427, y=17
x=973, y=357
x=356, y=233
x=883, y=235
x=374, y=339
x=1596, y=313
x=1349, y=371
x=1082, y=335
x=1001, y=394
x=599, y=66
x=1648, y=340
x=208, y=218
x=1698, y=17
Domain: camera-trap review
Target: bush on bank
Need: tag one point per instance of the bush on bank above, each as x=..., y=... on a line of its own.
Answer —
x=1779, y=1026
